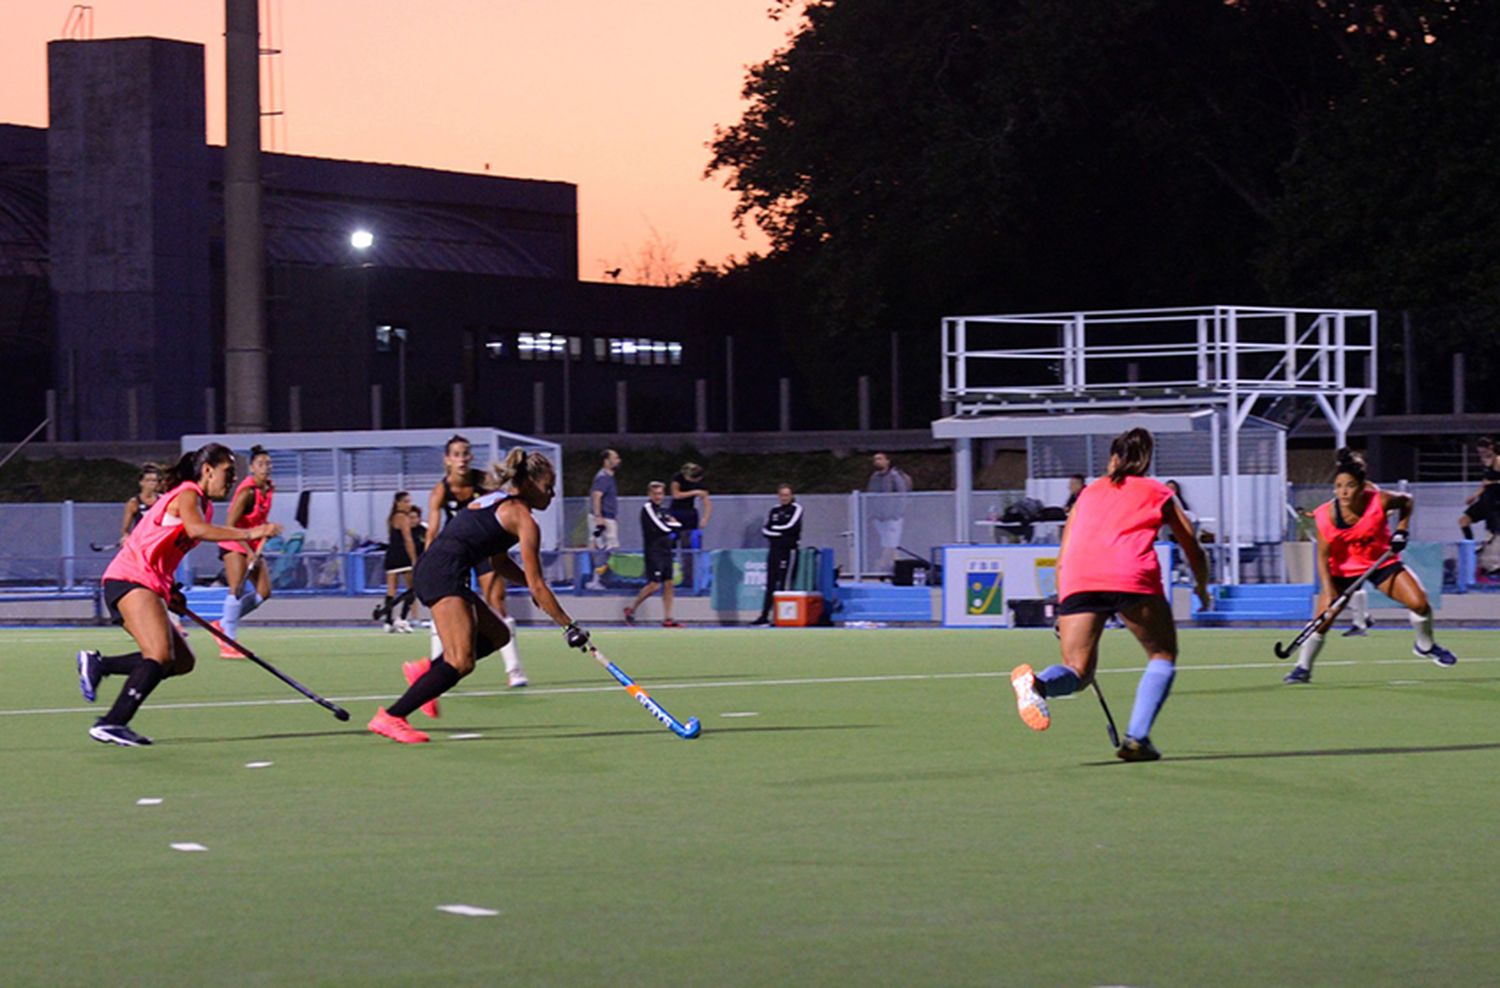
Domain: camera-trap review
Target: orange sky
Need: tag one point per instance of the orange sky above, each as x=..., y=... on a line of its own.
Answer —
x=619, y=98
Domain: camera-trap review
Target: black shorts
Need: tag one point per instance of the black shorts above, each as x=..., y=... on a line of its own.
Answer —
x=432, y=580
x=114, y=590
x=1101, y=602
x=659, y=564
x=1390, y=569
x=483, y=566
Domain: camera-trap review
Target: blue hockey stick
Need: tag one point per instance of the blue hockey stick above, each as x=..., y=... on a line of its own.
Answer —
x=687, y=732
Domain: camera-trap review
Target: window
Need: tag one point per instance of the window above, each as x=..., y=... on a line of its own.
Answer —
x=638, y=350
x=548, y=346
x=496, y=347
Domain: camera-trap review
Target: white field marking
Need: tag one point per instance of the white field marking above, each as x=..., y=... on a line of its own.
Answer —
x=464, y=737
x=259, y=764
x=148, y=801
x=747, y=683
x=188, y=846
x=742, y=713
x=1406, y=682
x=459, y=909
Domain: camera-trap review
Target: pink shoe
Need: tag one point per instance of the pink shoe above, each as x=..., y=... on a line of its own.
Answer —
x=414, y=671
x=669, y=623
x=395, y=728
x=226, y=650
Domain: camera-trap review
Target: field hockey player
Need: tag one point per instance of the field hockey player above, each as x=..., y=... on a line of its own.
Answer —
x=138, y=587
x=1353, y=534
x=1107, y=565
x=249, y=507
x=466, y=626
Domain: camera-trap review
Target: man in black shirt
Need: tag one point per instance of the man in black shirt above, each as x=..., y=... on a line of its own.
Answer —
x=658, y=528
x=783, y=528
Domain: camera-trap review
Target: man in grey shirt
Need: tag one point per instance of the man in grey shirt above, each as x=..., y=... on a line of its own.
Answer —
x=887, y=511
x=604, y=512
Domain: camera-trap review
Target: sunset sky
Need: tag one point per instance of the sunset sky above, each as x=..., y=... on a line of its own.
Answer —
x=619, y=98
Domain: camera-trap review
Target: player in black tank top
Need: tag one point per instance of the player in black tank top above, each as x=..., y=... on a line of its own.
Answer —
x=467, y=627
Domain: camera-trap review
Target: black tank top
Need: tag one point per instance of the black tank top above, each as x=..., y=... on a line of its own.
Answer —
x=472, y=537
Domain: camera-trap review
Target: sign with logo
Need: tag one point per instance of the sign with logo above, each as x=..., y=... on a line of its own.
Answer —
x=739, y=579
x=980, y=582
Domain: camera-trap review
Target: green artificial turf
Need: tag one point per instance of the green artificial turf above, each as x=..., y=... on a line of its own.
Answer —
x=883, y=819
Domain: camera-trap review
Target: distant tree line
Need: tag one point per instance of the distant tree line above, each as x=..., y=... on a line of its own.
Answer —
x=915, y=158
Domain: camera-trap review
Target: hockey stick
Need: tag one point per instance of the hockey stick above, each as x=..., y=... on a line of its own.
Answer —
x=687, y=732
x=102, y=547
x=1114, y=735
x=337, y=710
x=1334, y=607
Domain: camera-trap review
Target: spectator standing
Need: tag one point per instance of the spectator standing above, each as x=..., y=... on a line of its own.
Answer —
x=604, y=513
x=687, y=489
x=888, y=513
x=783, y=529
x=141, y=502
x=658, y=530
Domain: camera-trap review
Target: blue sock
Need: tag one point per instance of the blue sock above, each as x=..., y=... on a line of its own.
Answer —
x=230, y=621
x=1059, y=681
x=1156, y=683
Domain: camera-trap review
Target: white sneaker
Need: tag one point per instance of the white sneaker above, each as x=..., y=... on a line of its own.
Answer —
x=594, y=584
x=402, y=626
x=518, y=678
x=389, y=627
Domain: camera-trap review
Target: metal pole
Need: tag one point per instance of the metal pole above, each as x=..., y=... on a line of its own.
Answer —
x=538, y=407
x=375, y=406
x=51, y=421
x=785, y=404
x=29, y=436
x=729, y=384
x=864, y=403
x=1458, y=384
x=700, y=405
x=895, y=381
x=963, y=487
x=622, y=408
x=458, y=405
x=294, y=407
x=400, y=378
x=245, y=359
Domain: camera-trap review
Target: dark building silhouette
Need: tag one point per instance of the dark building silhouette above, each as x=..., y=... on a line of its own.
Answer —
x=111, y=284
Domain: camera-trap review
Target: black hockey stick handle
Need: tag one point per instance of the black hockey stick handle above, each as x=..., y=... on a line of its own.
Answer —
x=329, y=705
x=1109, y=719
x=1333, y=609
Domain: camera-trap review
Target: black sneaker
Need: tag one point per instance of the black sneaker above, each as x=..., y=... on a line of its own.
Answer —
x=117, y=734
x=1298, y=675
x=630, y=617
x=1357, y=631
x=89, y=674
x=1437, y=654
x=760, y=622
x=1133, y=750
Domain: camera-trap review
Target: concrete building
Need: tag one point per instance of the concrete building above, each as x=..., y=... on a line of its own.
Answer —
x=466, y=308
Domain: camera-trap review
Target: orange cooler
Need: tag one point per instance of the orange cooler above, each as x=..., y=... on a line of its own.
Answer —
x=797, y=608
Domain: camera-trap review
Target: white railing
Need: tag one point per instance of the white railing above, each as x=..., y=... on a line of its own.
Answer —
x=1155, y=356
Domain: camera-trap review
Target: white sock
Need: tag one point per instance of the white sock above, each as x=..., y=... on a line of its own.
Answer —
x=230, y=620
x=1359, y=608
x=249, y=601
x=1422, y=625
x=435, y=647
x=1310, y=650
x=508, y=651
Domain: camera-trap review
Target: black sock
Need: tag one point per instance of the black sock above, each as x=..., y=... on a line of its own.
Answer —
x=385, y=609
x=406, y=600
x=143, y=679
x=119, y=665
x=438, y=680
x=1468, y=533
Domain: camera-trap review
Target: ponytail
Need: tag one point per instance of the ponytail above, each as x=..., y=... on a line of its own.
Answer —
x=1132, y=452
x=258, y=450
x=190, y=466
x=518, y=467
x=1350, y=462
